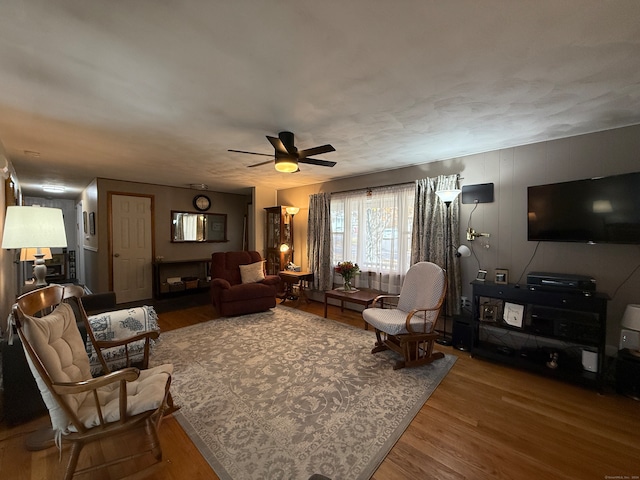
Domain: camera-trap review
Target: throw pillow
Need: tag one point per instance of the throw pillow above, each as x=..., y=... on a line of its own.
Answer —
x=252, y=273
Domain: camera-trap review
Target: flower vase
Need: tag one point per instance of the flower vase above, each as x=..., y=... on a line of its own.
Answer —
x=347, y=287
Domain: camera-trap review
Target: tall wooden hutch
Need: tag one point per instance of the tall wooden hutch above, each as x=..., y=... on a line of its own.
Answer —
x=279, y=238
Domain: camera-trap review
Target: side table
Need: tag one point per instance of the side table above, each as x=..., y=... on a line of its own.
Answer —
x=291, y=278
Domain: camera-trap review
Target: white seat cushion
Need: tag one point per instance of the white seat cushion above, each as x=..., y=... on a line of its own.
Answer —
x=394, y=321
x=144, y=394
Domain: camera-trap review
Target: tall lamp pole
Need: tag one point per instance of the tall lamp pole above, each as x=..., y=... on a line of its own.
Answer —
x=447, y=196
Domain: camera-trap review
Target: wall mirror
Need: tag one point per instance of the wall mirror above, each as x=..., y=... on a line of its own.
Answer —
x=198, y=227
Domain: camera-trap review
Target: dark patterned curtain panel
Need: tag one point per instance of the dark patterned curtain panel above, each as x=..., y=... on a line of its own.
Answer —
x=429, y=233
x=319, y=241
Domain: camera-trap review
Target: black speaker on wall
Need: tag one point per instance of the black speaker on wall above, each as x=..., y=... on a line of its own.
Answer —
x=480, y=193
x=462, y=333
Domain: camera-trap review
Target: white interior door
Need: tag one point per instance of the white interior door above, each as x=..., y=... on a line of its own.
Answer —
x=132, y=249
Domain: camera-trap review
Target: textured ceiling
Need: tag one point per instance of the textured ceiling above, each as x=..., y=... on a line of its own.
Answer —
x=157, y=91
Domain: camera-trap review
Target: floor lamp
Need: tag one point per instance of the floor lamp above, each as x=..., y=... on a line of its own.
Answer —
x=34, y=227
x=447, y=196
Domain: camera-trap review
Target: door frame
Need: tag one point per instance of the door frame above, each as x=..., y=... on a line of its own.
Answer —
x=80, y=236
x=110, y=194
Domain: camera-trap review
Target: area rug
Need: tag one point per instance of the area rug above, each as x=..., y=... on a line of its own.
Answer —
x=285, y=394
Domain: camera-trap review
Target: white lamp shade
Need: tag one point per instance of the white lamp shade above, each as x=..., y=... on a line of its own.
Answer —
x=28, y=254
x=448, y=196
x=464, y=251
x=33, y=227
x=631, y=318
x=293, y=210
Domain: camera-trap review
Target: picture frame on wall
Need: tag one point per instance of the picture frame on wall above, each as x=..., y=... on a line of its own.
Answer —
x=85, y=222
x=92, y=223
x=502, y=276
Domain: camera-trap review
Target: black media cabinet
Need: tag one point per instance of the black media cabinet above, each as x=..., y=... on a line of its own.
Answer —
x=557, y=328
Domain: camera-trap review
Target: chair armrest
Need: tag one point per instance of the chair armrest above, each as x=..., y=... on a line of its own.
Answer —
x=381, y=298
x=271, y=280
x=413, y=312
x=127, y=374
x=220, y=283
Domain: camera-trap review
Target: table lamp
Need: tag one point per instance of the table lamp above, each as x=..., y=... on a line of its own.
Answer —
x=34, y=227
x=29, y=255
x=630, y=333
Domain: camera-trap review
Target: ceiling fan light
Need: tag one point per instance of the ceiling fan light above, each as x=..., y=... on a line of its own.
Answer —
x=286, y=165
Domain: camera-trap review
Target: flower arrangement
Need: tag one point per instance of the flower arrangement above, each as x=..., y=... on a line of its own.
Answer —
x=347, y=270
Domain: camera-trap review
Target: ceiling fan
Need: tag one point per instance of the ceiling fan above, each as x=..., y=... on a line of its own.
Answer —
x=287, y=156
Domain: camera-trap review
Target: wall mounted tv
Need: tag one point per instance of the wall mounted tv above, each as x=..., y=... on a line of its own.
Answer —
x=596, y=210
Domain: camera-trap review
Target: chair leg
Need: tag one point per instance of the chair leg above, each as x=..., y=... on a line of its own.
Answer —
x=152, y=433
x=76, y=447
x=171, y=407
x=380, y=345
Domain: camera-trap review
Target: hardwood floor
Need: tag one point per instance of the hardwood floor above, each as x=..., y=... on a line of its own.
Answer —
x=484, y=421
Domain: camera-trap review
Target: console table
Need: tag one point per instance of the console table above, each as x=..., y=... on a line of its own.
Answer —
x=199, y=269
x=555, y=333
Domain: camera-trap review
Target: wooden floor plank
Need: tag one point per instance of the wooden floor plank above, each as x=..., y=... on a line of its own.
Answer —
x=484, y=421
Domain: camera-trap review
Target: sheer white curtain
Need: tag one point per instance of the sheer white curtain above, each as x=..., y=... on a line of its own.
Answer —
x=373, y=229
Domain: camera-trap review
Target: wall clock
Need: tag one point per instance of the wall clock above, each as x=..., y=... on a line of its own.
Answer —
x=201, y=202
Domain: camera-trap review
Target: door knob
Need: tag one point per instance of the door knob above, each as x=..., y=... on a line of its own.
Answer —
x=116, y=254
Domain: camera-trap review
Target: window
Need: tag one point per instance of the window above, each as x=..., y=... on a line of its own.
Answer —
x=373, y=229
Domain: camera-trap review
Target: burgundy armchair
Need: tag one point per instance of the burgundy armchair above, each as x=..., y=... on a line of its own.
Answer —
x=232, y=297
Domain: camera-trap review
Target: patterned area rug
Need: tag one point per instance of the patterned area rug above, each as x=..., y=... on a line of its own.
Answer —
x=285, y=394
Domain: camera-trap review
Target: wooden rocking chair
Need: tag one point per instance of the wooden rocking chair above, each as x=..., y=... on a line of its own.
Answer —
x=84, y=409
x=408, y=328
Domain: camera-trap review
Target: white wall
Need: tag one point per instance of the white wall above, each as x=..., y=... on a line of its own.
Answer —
x=512, y=170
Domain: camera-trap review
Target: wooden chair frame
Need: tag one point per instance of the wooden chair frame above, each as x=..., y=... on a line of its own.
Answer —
x=43, y=301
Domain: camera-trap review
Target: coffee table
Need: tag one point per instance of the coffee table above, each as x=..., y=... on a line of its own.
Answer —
x=363, y=296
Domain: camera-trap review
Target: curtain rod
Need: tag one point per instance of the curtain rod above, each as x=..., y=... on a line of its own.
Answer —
x=365, y=189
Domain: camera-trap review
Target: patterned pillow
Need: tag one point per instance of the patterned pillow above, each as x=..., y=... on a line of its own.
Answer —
x=252, y=273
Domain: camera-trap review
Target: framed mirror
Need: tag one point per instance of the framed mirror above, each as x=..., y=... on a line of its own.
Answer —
x=198, y=227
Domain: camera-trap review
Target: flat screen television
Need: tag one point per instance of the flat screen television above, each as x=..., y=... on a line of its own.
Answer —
x=595, y=210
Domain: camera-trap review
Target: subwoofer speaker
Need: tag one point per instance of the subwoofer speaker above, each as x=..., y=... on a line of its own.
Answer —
x=462, y=333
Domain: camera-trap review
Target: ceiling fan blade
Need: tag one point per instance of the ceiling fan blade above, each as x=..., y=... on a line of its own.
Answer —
x=317, y=161
x=278, y=145
x=310, y=152
x=252, y=153
x=261, y=163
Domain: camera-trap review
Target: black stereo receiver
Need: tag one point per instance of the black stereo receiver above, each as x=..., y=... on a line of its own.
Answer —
x=561, y=282
x=566, y=324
